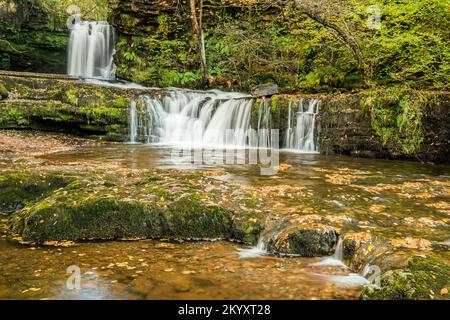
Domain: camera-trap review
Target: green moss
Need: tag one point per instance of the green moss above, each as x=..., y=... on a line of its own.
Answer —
x=396, y=117
x=3, y=92
x=23, y=188
x=424, y=278
x=120, y=102
x=151, y=207
x=35, y=114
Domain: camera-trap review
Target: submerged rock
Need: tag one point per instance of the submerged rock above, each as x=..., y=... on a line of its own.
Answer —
x=304, y=240
x=423, y=278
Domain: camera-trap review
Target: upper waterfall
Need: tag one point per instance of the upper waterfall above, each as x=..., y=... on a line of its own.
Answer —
x=91, y=50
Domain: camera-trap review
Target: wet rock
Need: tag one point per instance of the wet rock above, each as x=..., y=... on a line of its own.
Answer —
x=423, y=278
x=306, y=241
x=177, y=208
x=3, y=92
x=265, y=90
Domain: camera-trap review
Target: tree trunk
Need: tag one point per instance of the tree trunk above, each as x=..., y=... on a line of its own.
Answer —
x=197, y=24
x=345, y=37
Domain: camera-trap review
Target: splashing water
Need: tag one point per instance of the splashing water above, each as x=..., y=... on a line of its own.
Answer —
x=259, y=250
x=336, y=259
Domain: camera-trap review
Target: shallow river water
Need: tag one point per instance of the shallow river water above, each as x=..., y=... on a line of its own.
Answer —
x=380, y=195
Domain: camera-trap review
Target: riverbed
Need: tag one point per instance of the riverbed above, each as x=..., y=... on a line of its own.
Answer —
x=406, y=202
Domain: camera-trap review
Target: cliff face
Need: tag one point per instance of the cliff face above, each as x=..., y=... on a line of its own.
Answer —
x=389, y=123
x=28, y=41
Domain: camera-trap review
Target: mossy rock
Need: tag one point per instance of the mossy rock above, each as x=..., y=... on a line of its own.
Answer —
x=161, y=206
x=305, y=241
x=423, y=279
x=19, y=189
x=3, y=92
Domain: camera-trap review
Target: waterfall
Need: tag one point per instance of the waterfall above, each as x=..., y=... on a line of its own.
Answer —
x=289, y=139
x=254, y=252
x=264, y=124
x=302, y=138
x=91, y=50
x=187, y=118
x=133, y=124
x=339, y=251
x=337, y=260
x=190, y=118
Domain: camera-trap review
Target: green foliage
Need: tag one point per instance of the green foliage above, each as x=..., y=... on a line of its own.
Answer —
x=397, y=115
x=412, y=44
x=250, y=45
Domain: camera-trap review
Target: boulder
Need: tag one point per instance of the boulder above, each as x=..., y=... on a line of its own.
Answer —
x=304, y=240
x=3, y=92
x=174, y=206
x=265, y=90
x=424, y=278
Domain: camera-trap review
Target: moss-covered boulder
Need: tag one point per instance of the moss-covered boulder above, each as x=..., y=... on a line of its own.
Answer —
x=423, y=278
x=19, y=189
x=304, y=240
x=3, y=92
x=157, y=206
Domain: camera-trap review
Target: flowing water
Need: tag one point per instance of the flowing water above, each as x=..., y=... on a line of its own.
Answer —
x=163, y=270
x=302, y=137
x=189, y=118
x=91, y=50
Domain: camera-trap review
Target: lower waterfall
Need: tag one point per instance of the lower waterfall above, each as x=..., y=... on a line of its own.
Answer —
x=186, y=118
x=190, y=118
x=302, y=136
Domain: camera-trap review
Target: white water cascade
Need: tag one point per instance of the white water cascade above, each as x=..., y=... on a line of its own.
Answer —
x=189, y=118
x=337, y=259
x=264, y=124
x=91, y=50
x=301, y=137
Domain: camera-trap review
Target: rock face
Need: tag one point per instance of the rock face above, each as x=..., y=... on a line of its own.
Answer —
x=28, y=42
x=417, y=125
x=265, y=90
x=392, y=123
x=388, y=123
x=61, y=104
